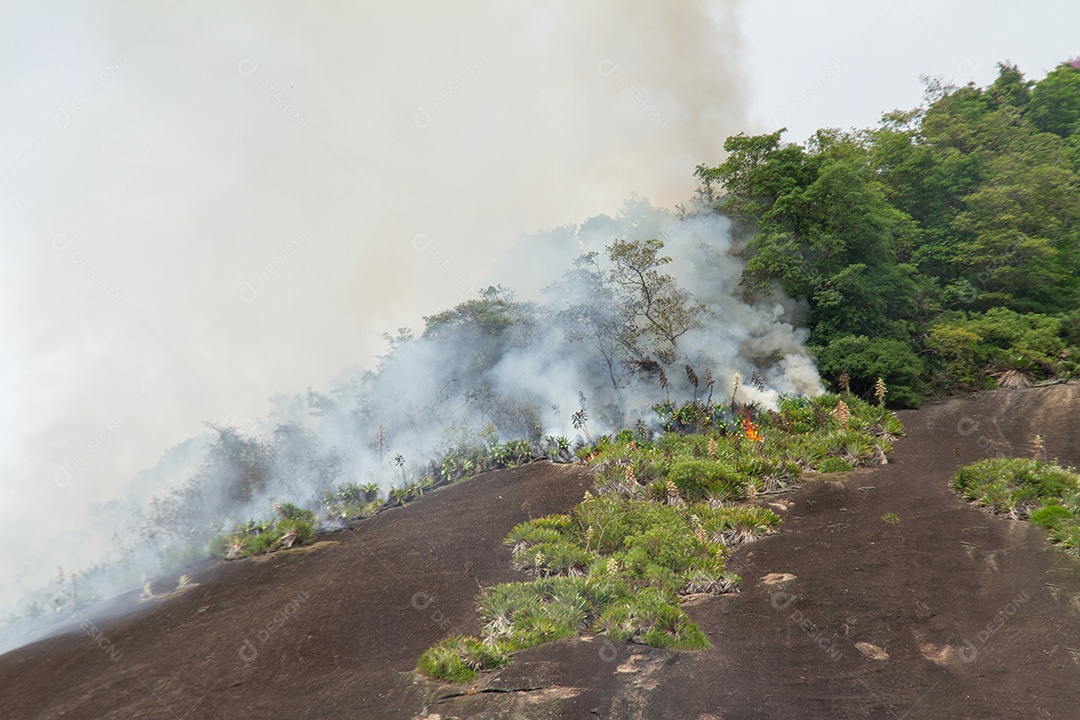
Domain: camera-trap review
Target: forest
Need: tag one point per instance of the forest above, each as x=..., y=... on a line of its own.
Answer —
x=938, y=250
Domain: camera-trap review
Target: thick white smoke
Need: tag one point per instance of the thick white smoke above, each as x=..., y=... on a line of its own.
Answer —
x=203, y=204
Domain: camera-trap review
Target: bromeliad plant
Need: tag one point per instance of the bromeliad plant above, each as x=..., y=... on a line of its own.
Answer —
x=1026, y=489
x=293, y=526
x=732, y=455
x=350, y=500
x=612, y=565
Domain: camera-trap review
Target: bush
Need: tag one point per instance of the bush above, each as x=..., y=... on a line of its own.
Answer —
x=458, y=659
x=969, y=345
x=295, y=526
x=650, y=616
x=1051, y=516
x=1043, y=492
x=659, y=554
x=864, y=360
x=532, y=532
x=1008, y=482
x=350, y=500
x=560, y=558
x=697, y=479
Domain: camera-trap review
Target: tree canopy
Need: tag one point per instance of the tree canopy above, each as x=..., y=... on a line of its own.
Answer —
x=926, y=227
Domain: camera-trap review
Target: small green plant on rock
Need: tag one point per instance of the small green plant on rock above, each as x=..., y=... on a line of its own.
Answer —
x=1026, y=489
x=294, y=526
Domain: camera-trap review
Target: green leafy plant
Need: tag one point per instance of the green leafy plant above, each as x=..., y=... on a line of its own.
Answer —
x=1043, y=492
x=458, y=659
x=293, y=526
x=660, y=523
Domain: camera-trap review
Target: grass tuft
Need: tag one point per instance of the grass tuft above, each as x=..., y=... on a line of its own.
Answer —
x=1026, y=489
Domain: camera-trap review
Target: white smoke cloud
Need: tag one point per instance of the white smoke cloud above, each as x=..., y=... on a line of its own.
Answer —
x=204, y=203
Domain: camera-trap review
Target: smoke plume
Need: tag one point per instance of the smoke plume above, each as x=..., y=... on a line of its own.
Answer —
x=207, y=204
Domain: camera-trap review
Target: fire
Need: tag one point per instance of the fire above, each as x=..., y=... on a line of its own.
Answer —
x=752, y=433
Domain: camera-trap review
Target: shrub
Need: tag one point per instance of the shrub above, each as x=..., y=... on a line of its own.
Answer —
x=1051, y=516
x=1045, y=492
x=650, y=616
x=864, y=360
x=698, y=478
x=458, y=659
x=350, y=500
x=561, y=557
x=531, y=533
x=295, y=526
x=1003, y=483
x=969, y=345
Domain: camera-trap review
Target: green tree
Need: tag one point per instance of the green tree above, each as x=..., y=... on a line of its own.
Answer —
x=491, y=314
x=819, y=223
x=1055, y=102
x=656, y=309
x=865, y=359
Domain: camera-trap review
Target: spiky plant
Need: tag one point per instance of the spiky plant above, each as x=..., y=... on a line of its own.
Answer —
x=879, y=391
x=691, y=377
x=672, y=493
x=701, y=581
x=699, y=529
x=458, y=659
x=579, y=420
x=641, y=430
x=709, y=383
x=757, y=381
x=843, y=414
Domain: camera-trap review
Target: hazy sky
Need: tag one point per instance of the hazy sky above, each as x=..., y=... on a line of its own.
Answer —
x=842, y=63
x=203, y=203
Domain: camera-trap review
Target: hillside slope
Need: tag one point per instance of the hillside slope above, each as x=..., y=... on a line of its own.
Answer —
x=883, y=618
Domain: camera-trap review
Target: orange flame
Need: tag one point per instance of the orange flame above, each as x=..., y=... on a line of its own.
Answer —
x=752, y=433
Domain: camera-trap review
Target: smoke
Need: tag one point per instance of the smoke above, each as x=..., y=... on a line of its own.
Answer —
x=203, y=204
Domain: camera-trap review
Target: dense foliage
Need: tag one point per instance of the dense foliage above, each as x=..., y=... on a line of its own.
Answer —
x=939, y=250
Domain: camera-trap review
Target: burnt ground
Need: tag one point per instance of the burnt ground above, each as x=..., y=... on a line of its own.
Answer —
x=902, y=602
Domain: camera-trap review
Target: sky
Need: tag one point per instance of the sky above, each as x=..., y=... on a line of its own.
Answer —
x=843, y=63
x=205, y=203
